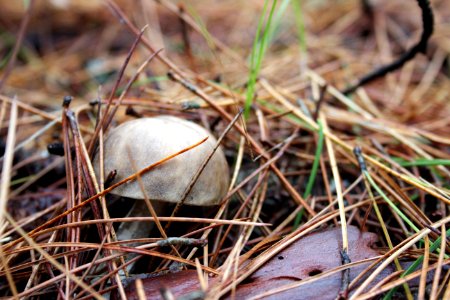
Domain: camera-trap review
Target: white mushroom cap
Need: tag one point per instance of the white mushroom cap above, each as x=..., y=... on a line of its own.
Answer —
x=152, y=139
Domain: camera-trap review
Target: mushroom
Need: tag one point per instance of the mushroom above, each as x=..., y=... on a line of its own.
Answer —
x=144, y=141
x=152, y=139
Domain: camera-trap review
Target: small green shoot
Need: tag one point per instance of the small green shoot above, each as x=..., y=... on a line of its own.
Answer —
x=256, y=57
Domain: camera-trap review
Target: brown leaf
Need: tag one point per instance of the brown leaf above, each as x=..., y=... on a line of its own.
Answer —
x=309, y=256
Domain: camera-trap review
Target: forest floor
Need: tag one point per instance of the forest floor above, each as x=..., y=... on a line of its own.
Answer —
x=338, y=187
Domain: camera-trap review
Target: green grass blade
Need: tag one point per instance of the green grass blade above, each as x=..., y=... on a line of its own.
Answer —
x=433, y=247
x=423, y=162
x=277, y=20
x=300, y=22
x=314, y=169
x=257, y=55
x=391, y=204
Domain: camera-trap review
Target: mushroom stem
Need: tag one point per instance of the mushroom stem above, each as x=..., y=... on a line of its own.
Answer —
x=138, y=230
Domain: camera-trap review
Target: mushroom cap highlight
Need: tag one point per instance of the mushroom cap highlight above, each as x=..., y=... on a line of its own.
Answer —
x=148, y=140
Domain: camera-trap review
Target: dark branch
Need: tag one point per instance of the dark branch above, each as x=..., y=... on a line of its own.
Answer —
x=420, y=47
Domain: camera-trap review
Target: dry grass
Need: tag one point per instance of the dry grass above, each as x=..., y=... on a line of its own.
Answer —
x=55, y=218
